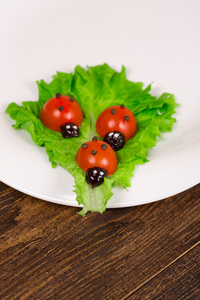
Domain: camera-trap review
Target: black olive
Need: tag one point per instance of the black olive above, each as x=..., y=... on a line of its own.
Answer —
x=69, y=130
x=95, y=176
x=115, y=139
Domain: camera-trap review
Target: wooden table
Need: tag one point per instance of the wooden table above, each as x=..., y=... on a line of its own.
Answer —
x=145, y=252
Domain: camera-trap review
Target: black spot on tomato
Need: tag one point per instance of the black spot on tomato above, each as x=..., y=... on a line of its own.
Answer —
x=113, y=111
x=94, y=152
x=58, y=95
x=104, y=146
x=60, y=108
x=84, y=146
x=126, y=118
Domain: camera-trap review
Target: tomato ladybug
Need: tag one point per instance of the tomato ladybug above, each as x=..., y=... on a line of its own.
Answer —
x=116, y=125
x=97, y=159
x=63, y=114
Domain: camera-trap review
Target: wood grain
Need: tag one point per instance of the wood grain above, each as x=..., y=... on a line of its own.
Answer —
x=47, y=251
x=181, y=280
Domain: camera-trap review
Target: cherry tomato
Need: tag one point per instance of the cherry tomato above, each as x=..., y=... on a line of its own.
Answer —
x=117, y=118
x=97, y=154
x=60, y=110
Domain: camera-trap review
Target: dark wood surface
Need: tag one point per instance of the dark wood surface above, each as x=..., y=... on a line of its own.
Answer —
x=47, y=251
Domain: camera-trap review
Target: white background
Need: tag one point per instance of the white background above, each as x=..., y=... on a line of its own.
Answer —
x=157, y=41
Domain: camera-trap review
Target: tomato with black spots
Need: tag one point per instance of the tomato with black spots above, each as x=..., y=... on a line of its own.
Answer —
x=116, y=125
x=97, y=159
x=63, y=114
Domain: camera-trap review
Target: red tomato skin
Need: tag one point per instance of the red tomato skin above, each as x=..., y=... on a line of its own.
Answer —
x=53, y=118
x=108, y=122
x=103, y=158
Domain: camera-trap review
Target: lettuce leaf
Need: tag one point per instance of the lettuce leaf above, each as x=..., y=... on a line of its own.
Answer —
x=97, y=88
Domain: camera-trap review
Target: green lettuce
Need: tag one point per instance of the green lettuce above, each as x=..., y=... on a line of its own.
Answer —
x=96, y=89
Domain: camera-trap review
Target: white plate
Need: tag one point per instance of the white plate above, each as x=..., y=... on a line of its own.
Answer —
x=158, y=41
